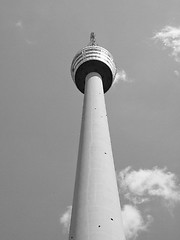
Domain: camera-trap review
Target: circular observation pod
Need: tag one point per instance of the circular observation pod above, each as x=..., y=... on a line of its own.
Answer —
x=93, y=59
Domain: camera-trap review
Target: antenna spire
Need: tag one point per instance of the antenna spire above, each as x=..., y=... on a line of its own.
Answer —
x=93, y=39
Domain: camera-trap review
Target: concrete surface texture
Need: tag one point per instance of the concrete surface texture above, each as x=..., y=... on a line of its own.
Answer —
x=96, y=210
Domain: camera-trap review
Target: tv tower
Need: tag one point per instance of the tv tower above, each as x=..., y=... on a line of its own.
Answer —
x=96, y=212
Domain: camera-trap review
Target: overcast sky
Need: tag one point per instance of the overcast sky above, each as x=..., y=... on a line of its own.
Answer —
x=40, y=110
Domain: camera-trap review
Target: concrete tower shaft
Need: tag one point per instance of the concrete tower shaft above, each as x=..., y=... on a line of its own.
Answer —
x=96, y=212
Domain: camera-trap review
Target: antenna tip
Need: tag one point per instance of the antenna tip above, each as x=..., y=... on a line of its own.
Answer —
x=92, y=39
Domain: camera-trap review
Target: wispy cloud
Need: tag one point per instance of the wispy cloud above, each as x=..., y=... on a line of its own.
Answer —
x=23, y=30
x=121, y=76
x=170, y=38
x=19, y=24
x=30, y=42
x=65, y=219
x=176, y=72
x=139, y=186
x=133, y=221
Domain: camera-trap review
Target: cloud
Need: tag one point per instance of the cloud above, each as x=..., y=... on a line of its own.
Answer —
x=24, y=32
x=121, y=76
x=19, y=24
x=139, y=186
x=170, y=37
x=176, y=73
x=30, y=42
x=133, y=221
x=65, y=219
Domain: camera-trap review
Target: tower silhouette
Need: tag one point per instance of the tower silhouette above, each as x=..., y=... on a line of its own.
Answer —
x=96, y=212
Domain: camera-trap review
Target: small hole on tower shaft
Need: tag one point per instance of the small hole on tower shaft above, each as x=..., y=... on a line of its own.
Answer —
x=105, y=153
x=71, y=237
x=111, y=219
x=99, y=226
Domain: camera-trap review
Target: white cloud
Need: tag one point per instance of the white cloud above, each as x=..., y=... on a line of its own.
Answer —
x=121, y=76
x=23, y=30
x=139, y=186
x=30, y=42
x=176, y=73
x=170, y=37
x=133, y=221
x=65, y=219
x=19, y=24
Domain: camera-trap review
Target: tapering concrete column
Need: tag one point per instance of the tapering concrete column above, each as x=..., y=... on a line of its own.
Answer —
x=96, y=213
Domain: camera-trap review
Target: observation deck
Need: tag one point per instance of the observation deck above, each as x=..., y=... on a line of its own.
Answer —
x=93, y=58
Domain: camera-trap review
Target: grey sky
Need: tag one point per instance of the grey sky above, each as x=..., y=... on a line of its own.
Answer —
x=40, y=107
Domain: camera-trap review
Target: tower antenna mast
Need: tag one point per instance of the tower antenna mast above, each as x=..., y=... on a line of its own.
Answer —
x=93, y=39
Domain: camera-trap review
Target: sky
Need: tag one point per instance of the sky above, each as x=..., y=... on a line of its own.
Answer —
x=40, y=110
